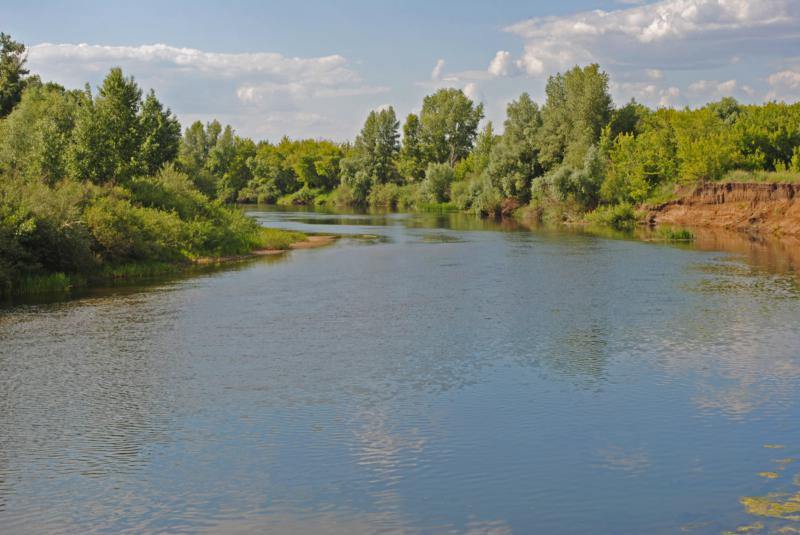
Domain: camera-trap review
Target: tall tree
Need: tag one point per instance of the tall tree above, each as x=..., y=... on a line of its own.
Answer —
x=448, y=126
x=35, y=137
x=578, y=107
x=108, y=133
x=12, y=73
x=161, y=135
x=515, y=158
x=410, y=161
x=375, y=149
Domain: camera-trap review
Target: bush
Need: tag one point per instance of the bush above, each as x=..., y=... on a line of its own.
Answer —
x=303, y=197
x=621, y=216
x=124, y=232
x=384, y=195
x=343, y=196
x=437, y=181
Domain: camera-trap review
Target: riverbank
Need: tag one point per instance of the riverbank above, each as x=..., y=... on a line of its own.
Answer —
x=307, y=242
x=753, y=208
x=273, y=242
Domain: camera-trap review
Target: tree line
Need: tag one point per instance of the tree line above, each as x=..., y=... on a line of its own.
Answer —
x=110, y=176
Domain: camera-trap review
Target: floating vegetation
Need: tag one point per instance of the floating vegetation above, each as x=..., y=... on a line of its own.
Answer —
x=774, y=446
x=758, y=526
x=768, y=475
x=441, y=238
x=774, y=505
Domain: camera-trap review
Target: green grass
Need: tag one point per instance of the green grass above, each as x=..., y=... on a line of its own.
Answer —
x=619, y=216
x=675, y=235
x=783, y=177
x=44, y=284
x=662, y=194
x=273, y=238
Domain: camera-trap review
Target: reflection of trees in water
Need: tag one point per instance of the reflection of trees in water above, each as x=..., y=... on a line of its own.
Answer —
x=737, y=339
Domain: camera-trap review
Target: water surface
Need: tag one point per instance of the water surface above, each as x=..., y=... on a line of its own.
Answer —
x=441, y=374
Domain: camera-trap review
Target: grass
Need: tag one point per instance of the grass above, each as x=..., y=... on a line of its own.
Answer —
x=662, y=194
x=44, y=284
x=273, y=238
x=618, y=216
x=63, y=283
x=672, y=234
x=783, y=177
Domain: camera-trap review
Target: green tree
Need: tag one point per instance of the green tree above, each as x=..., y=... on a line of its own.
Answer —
x=12, y=73
x=515, y=158
x=411, y=161
x=578, y=107
x=108, y=135
x=438, y=178
x=161, y=135
x=35, y=137
x=375, y=149
x=448, y=126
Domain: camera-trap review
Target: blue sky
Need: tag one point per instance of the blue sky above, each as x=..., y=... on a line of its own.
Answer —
x=316, y=68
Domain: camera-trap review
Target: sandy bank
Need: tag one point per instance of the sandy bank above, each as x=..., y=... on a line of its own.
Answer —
x=760, y=208
x=310, y=242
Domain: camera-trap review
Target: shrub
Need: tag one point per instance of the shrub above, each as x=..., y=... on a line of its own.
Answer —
x=384, y=195
x=437, y=181
x=621, y=216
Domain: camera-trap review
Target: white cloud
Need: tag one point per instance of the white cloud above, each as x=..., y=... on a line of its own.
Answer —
x=655, y=74
x=647, y=92
x=787, y=79
x=438, y=69
x=784, y=85
x=328, y=70
x=670, y=33
x=473, y=92
x=713, y=88
x=259, y=91
x=503, y=65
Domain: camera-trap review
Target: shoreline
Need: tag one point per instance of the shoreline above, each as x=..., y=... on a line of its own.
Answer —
x=311, y=242
x=42, y=285
x=751, y=208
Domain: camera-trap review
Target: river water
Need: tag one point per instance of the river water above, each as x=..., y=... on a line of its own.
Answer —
x=435, y=374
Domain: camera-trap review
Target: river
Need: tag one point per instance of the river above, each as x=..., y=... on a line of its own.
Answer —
x=434, y=374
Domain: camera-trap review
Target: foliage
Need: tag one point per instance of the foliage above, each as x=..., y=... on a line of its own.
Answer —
x=515, y=157
x=374, y=151
x=411, y=162
x=619, y=216
x=448, y=125
x=12, y=73
x=672, y=234
x=36, y=137
x=578, y=106
x=438, y=178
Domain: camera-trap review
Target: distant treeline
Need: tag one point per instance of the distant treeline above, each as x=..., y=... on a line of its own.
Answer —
x=88, y=179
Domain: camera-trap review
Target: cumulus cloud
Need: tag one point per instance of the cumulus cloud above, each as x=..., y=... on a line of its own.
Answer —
x=327, y=70
x=473, y=92
x=670, y=33
x=713, y=88
x=503, y=65
x=648, y=92
x=250, y=86
x=784, y=85
x=438, y=70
